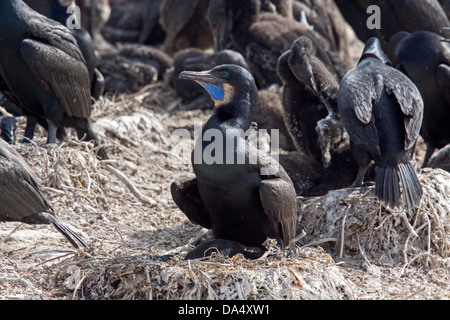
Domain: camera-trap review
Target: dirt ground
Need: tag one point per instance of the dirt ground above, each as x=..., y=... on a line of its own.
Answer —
x=338, y=259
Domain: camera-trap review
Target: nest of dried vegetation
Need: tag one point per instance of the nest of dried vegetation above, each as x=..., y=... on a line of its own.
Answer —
x=349, y=246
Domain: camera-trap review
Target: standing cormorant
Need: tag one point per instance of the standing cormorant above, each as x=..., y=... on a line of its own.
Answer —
x=241, y=193
x=425, y=58
x=21, y=198
x=45, y=70
x=382, y=111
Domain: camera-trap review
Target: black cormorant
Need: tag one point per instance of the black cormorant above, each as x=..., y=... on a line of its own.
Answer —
x=425, y=58
x=382, y=111
x=21, y=198
x=45, y=70
x=239, y=192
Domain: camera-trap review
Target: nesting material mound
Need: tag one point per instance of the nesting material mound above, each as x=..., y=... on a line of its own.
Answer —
x=352, y=223
x=351, y=247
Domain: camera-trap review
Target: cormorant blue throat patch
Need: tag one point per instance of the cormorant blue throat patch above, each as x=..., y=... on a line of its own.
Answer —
x=214, y=91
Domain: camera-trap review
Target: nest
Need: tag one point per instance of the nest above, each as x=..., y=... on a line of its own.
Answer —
x=352, y=224
x=349, y=247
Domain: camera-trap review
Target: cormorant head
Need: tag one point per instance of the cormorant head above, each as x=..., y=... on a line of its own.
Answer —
x=373, y=49
x=224, y=83
x=393, y=43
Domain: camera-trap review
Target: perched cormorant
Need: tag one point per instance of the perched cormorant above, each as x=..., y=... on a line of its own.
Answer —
x=239, y=192
x=21, y=198
x=425, y=58
x=45, y=70
x=382, y=112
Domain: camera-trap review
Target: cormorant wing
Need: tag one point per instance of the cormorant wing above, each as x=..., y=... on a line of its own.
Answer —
x=410, y=101
x=186, y=196
x=277, y=195
x=19, y=191
x=175, y=14
x=53, y=55
x=355, y=107
x=443, y=79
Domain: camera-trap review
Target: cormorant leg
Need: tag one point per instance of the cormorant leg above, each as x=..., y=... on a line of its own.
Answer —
x=29, y=129
x=363, y=159
x=360, y=177
x=428, y=154
x=52, y=129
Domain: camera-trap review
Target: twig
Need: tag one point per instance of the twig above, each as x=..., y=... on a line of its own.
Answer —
x=130, y=185
x=77, y=287
x=320, y=241
x=414, y=293
x=341, y=252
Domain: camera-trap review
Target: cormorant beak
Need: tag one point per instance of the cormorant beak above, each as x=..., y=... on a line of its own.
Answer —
x=210, y=83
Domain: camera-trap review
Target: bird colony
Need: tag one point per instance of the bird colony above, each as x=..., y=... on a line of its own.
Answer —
x=224, y=149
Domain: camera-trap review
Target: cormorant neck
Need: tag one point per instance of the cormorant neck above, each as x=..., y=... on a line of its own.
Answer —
x=239, y=112
x=245, y=14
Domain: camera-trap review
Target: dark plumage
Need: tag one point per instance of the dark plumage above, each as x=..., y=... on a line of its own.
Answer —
x=395, y=16
x=308, y=92
x=45, y=70
x=382, y=112
x=242, y=194
x=261, y=38
x=21, y=198
x=61, y=14
x=425, y=58
x=185, y=25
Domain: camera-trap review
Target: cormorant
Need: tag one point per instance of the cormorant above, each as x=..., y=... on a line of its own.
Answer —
x=21, y=198
x=425, y=58
x=382, y=111
x=262, y=38
x=45, y=70
x=133, y=66
x=61, y=14
x=308, y=87
x=239, y=192
x=185, y=25
x=394, y=16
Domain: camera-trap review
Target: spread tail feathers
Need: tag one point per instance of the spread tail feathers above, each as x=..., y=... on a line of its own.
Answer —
x=71, y=236
x=387, y=186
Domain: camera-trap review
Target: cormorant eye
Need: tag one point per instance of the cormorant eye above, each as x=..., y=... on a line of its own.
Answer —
x=225, y=75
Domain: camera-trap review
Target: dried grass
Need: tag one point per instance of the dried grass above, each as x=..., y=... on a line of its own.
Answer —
x=126, y=214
